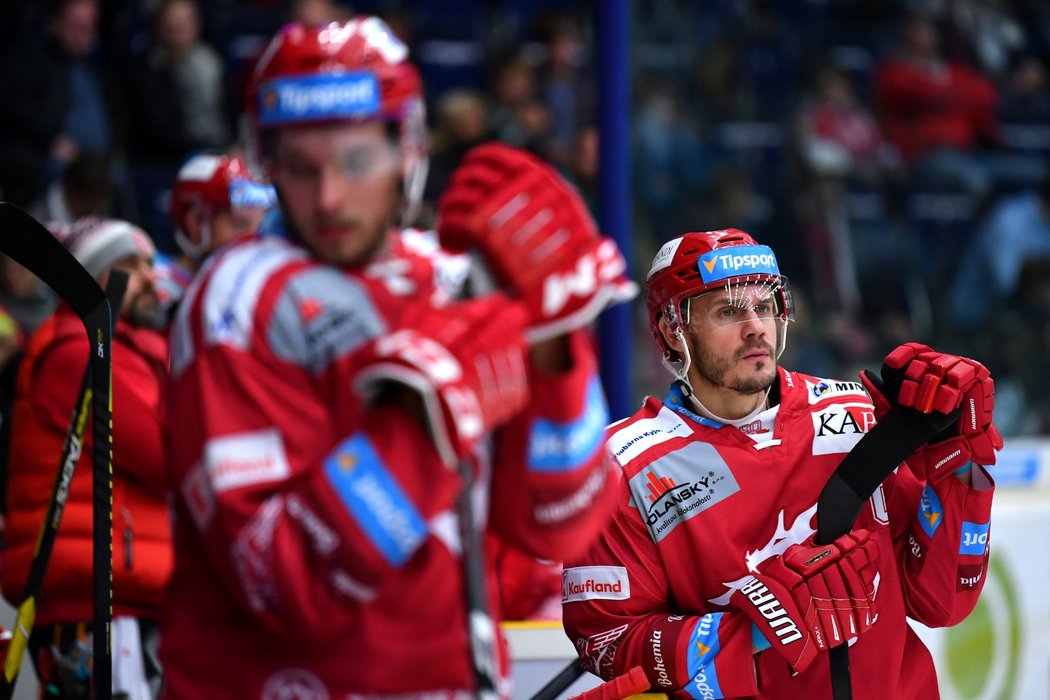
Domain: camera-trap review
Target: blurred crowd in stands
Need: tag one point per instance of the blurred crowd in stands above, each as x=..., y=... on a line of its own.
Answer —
x=895, y=151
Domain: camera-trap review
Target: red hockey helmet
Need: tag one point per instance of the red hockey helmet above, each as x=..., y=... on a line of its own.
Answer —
x=353, y=71
x=209, y=183
x=704, y=262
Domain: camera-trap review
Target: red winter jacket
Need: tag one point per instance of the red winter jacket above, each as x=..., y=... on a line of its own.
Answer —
x=48, y=381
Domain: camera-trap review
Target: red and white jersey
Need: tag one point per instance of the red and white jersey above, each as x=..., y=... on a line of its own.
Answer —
x=316, y=542
x=701, y=504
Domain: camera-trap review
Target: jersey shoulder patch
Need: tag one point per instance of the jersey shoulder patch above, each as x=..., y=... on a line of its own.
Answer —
x=321, y=314
x=226, y=293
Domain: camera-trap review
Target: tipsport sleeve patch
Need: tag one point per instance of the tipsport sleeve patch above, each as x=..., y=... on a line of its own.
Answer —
x=974, y=538
x=564, y=446
x=931, y=513
x=703, y=648
x=375, y=500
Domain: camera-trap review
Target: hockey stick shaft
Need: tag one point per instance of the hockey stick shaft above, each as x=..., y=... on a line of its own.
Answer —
x=100, y=321
x=481, y=629
x=889, y=442
x=29, y=243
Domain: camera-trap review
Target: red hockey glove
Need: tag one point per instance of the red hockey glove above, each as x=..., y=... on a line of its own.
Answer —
x=536, y=236
x=466, y=361
x=813, y=598
x=915, y=375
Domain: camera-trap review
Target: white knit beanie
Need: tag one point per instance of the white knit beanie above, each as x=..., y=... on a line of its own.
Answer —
x=99, y=243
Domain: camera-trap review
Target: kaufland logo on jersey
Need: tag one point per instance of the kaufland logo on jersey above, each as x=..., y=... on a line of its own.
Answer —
x=736, y=261
x=594, y=583
x=318, y=97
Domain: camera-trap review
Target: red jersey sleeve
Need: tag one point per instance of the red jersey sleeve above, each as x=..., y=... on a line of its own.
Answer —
x=551, y=490
x=941, y=535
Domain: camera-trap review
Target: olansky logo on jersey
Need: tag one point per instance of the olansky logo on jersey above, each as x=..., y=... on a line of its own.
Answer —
x=594, y=583
x=839, y=427
x=826, y=389
x=673, y=489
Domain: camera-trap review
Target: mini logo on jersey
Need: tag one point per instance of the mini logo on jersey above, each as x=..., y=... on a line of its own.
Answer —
x=974, y=538
x=826, y=389
x=595, y=583
x=930, y=511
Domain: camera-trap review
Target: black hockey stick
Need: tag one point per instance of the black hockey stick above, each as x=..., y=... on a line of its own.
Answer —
x=481, y=628
x=25, y=240
x=889, y=442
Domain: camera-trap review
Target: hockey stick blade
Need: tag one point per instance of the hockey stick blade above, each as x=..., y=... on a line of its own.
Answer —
x=889, y=442
x=27, y=241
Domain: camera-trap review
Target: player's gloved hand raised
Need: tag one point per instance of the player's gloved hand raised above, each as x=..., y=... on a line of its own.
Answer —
x=917, y=376
x=536, y=236
x=813, y=598
x=465, y=360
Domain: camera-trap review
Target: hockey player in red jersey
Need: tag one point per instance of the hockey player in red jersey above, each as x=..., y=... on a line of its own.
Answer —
x=332, y=396
x=708, y=576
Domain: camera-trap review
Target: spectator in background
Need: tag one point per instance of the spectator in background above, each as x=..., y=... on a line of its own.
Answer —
x=1026, y=102
x=462, y=123
x=943, y=117
x=513, y=90
x=26, y=298
x=315, y=12
x=178, y=89
x=936, y=112
x=564, y=87
x=1016, y=230
x=45, y=392
x=85, y=189
x=54, y=103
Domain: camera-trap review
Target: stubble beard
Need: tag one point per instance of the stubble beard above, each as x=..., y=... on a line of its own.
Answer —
x=714, y=369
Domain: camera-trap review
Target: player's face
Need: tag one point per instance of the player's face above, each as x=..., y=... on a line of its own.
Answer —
x=339, y=188
x=732, y=337
x=230, y=224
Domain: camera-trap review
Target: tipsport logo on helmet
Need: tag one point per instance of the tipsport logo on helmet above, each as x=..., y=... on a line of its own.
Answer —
x=245, y=194
x=318, y=98
x=724, y=263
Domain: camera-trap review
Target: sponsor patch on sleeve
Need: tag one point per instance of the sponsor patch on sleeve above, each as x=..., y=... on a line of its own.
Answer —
x=559, y=447
x=970, y=576
x=375, y=500
x=245, y=459
x=594, y=583
x=930, y=511
x=974, y=539
x=703, y=648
